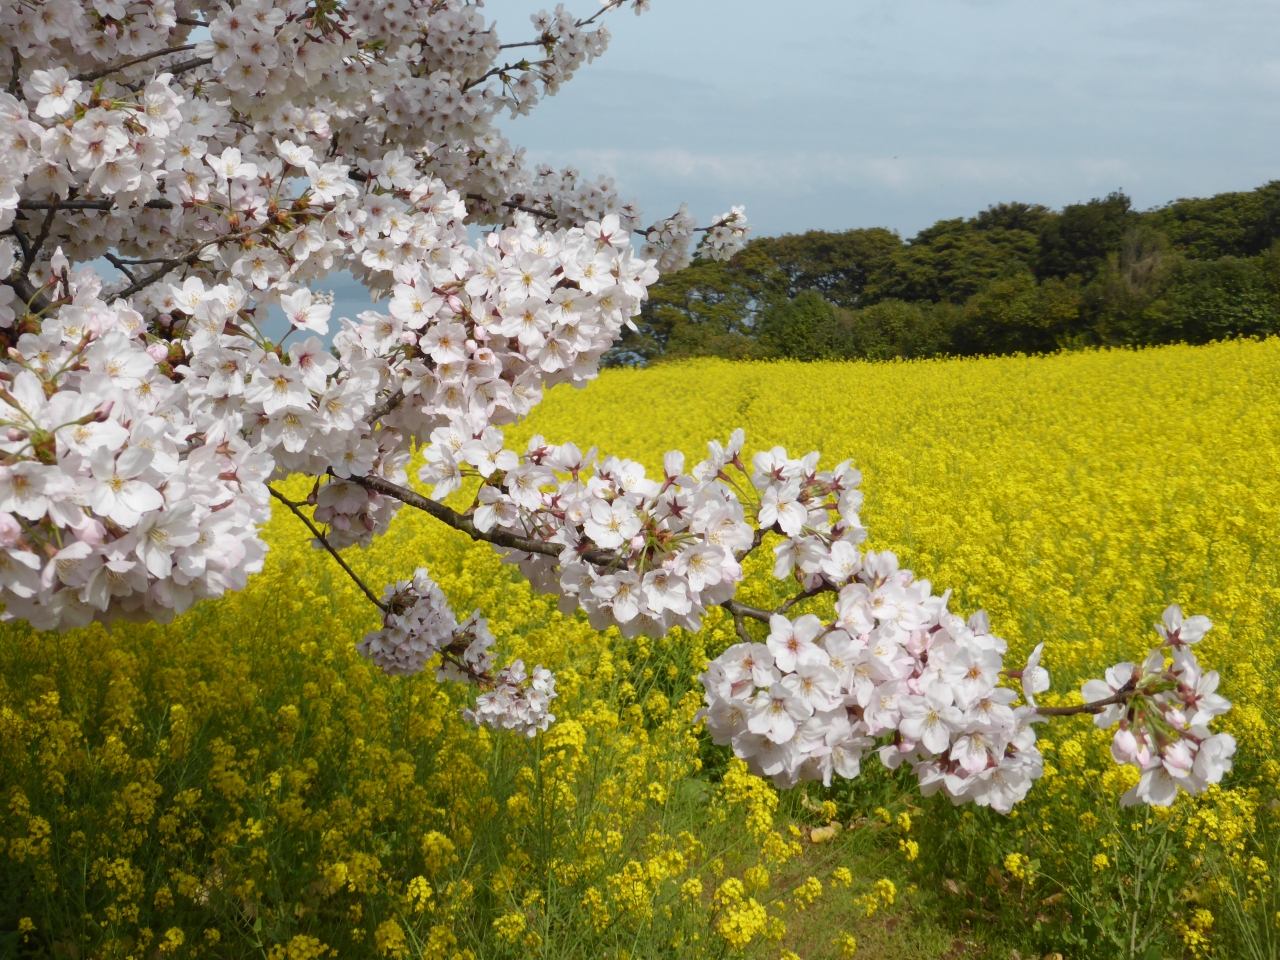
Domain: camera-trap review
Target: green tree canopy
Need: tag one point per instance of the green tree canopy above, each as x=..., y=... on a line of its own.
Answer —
x=1014, y=277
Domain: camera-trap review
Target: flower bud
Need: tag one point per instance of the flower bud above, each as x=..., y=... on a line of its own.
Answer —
x=1178, y=758
x=1124, y=746
x=10, y=530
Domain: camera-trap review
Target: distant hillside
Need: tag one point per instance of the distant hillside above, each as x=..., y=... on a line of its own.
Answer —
x=1015, y=277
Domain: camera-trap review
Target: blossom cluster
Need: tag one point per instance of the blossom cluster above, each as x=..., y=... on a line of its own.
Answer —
x=120, y=496
x=1164, y=723
x=632, y=551
x=518, y=701
x=108, y=117
x=895, y=666
x=473, y=337
x=669, y=241
x=418, y=625
x=224, y=158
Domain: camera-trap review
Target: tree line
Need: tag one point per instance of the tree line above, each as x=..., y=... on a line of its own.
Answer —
x=1017, y=277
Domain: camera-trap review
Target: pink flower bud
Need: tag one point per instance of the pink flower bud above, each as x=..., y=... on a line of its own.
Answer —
x=1179, y=758
x=10, y=530
x=157, y=351
x=1124, y=746
x=91, y=531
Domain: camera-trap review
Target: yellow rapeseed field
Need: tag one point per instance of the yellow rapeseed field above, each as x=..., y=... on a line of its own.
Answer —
x=241, y=784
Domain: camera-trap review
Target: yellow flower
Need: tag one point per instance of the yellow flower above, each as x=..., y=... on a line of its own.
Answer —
x=1017, y=865
x=510, y=926
x=173, y=939
x=250, y=735
x=419, y=893
x=390, y=940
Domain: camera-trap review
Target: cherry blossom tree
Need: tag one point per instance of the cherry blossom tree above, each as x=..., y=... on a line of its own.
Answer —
x=224, y=160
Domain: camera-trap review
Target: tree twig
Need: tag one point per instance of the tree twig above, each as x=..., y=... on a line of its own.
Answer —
x=743, y=610
x=29, y=257
x=1124, y=695
x=167, y=266
x=297, y=512
x=515, y=205
x=29, y=293
x=387, y=406
x=741, y=626
x=499, y=538
x=121, y=266
x=823, y=587
x=187, y=65
x=21, y=237
x=93, y=75
x=86, y=204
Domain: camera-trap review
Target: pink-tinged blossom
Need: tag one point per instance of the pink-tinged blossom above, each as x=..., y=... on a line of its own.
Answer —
x=776, y=712
x=1178, y=631
x=305, y=313
x=792, y=643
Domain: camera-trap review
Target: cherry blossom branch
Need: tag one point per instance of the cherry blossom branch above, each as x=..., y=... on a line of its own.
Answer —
x=548, y=215
x=188, y=65
x=1097, y=706
x=458, y=521
x=112, y=68
x=86, y=204
x=822, y=588
x=320, y=537
x=21, y=237
x=739, y=623
x=168, y=266
x=28, y=291
x=740, y=610
x=29, y=256
x=509, y=204
x=122, y=266
x=743, y=610
x=501, y=71
x=386, y=406
x=722, y=222
x=585, y=22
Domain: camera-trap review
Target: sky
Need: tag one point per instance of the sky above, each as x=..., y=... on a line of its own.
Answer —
x=836, y=114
